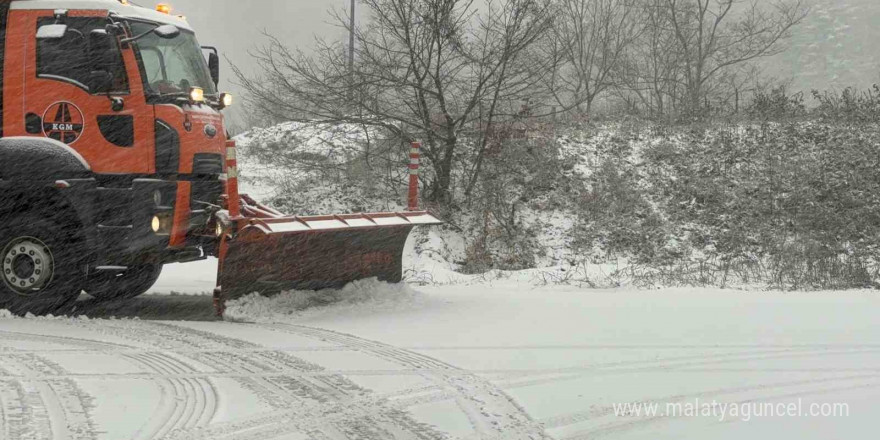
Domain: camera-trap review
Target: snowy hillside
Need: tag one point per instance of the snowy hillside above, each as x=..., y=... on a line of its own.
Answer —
x=308, y=168
x=615, y=203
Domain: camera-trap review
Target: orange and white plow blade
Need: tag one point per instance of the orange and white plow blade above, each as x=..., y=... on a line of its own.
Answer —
x=270, y=255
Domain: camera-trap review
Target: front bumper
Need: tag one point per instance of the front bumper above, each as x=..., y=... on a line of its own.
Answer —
x=190, y=205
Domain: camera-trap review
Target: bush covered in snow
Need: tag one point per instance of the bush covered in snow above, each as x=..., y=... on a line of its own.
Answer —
x=797, y=202
x=788, y=204
x=319, y=168
x=507, y=219
x=791, y=204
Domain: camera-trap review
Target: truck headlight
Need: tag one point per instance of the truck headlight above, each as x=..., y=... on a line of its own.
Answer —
x=161, y=224
x=197, y=94
x=226, y=100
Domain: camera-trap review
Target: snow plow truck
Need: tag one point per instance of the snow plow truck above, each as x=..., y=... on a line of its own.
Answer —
x=114, y=161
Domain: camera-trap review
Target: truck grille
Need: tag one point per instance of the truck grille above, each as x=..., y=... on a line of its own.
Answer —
x=207, y=163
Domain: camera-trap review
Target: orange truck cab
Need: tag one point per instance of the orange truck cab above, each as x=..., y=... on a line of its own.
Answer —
x=111, y=149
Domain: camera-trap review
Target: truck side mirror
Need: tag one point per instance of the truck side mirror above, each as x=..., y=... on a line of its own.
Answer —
x=214, y=67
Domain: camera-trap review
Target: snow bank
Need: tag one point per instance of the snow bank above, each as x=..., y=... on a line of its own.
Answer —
x=7, y=315
x=365, y=296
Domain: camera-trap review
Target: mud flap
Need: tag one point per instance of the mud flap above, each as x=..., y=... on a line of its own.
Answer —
x=275, y=255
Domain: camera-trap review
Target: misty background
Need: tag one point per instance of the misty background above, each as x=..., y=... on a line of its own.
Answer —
x=236, y=27
x=836, y=47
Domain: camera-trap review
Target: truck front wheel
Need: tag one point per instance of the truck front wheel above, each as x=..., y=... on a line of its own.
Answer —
x=133, y=282
x=40, y=266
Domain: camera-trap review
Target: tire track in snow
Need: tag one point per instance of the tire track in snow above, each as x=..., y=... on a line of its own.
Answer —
x=40, y=399
x=198, y=395
x=324, y=406
x=758, y=348
x=508, y=378
x=491, y=412
x=303, y=395
x=527, y=378
x=308, y=381
x=48, y=409
x=187, y=403
x=409, y=397
x=23, y=416
x=438, y=392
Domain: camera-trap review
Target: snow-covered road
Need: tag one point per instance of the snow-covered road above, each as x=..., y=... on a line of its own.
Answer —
x=490, y=362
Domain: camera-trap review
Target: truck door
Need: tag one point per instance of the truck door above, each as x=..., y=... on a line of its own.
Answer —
x=114, y=138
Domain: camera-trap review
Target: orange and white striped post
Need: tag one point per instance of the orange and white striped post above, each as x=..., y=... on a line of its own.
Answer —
x=233, y=204
x=414, y=162
x=234, y=199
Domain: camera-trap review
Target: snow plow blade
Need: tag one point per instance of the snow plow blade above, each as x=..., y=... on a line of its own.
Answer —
x=269, y=256
x=265, y=251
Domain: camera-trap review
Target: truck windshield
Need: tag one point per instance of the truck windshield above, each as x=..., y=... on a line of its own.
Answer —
x=173, y=65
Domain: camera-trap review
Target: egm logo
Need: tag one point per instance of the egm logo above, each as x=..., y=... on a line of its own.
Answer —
x=63, y=121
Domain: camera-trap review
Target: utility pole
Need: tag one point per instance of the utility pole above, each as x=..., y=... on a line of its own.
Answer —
x=351, y=41
x=351, y=52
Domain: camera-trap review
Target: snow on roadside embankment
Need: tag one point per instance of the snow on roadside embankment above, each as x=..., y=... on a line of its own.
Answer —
x=316, y=168
x=307, y=167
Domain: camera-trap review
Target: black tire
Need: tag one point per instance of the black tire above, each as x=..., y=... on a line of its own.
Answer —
x=49, y=275
x=132, y=283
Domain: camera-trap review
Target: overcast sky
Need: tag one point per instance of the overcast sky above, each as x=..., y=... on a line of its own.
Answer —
x=837, y=42
x=236, y=26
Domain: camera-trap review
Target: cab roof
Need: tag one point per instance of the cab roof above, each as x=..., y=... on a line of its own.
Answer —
x=127, y=9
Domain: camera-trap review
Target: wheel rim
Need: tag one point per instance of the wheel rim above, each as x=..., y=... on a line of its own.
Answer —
x=28, y=265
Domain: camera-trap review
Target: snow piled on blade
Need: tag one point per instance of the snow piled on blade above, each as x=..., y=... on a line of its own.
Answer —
x=363, y=296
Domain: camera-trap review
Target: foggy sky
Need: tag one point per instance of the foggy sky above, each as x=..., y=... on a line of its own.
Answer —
x=836, y=47
x=237, y=26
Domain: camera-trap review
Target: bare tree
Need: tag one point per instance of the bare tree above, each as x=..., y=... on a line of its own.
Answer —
x=424, y=69
x=651, y=70
x=716, y=36
x=587, y=47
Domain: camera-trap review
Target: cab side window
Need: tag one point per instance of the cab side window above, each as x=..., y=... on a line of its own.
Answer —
x=67, y=59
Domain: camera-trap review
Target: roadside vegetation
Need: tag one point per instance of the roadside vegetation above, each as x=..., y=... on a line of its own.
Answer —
x=637, y=133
